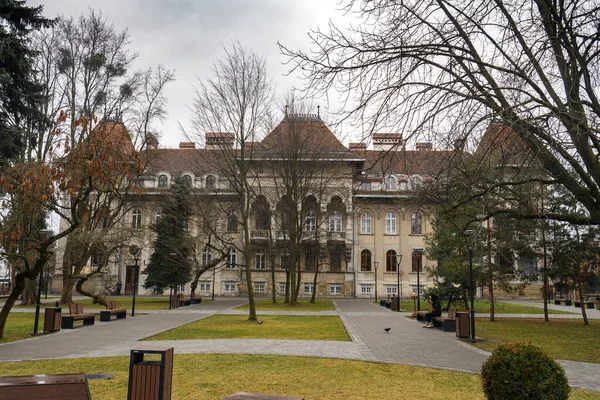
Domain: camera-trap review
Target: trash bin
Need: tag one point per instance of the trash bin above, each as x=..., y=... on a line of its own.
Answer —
x=150, y=373
x=52, y=319
x=395, y=303
x=462, y=324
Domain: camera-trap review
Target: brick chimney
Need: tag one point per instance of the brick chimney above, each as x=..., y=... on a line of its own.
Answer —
x=387, y=141
x=187, y=145
x=219, y=140
x=423, y=146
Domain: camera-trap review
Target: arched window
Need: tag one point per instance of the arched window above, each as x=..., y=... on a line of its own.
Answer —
x=365, y=260
x=206, y=256
x=232, y=221
x=231, y=258
x=311, y=221
x=365, y=223
x=415, y=224
x=163, y=181
x=261, y=259
x=187, y=180
x=390, y=183
x=311, y=258
x=417, y=260
x=390, y=223
x=211, y=182
x=263, y=219
x=390, y=261
x=335, y=222
x=136, y=219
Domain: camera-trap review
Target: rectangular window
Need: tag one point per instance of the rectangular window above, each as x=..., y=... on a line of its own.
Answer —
x=282, y=287
x=308, y=288
x=310, y=258
x=365, y=186
x=390, y=224
x=417, y=260
x=181, y=288
x=366, y=289
x=261, y=259
x=391, y=290
x=229, y=287
x=204, y=286
x=335, y=258
x=335, y=290
x=259, y=287
x=284, y=260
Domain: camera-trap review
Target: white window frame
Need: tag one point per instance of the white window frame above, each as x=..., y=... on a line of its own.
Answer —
x=309, y=288
x=311, y=221
x=366, y=289
x=229, y=287
x=390, y=223
x=365, y=223
x=259, y=287
x=335, y=221
x=163, y=183
x=260, y=260
x=281, y=286
x=204, y=286
x=335, y=289
x=391, y=290
x=206, y=256
x=231, y=258
x=136, y=219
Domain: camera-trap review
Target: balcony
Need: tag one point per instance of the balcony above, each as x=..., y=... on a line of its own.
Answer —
x=308, y=236
x=282, y=235
x=336, y=236
x=259, y=236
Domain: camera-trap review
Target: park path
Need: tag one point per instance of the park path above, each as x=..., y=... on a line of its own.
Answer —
x=405, y=343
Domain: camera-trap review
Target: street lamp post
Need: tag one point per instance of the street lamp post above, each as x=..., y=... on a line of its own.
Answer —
x=135, y=252
x=172, y=255
x=213, y=283
x=417, y=254
x=470, y=233
x=376, y=264
x=398, y=264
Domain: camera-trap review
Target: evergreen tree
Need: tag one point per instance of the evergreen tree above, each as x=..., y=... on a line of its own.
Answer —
x=171, y=260
x=20, y=96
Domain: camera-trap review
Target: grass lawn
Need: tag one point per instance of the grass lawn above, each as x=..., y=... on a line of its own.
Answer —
x=302, y=305
x=141, y=303
x=484, y=307
x=20, y=325
x=214, y=376
x=564, y=339
x=273, y=327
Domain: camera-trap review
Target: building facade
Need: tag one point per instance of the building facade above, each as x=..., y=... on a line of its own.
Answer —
x=351, y=214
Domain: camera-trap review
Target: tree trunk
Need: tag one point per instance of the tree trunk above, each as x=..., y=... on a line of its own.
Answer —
x=581, y=302
x=274, y=293
x=490, y=272
x=28, y=296
x=96, y=298
x=314, y=293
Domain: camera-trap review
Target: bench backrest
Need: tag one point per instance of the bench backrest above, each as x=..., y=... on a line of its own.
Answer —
x=66, y=387
x=75, y=309
x=452, y=313
x=111, y=305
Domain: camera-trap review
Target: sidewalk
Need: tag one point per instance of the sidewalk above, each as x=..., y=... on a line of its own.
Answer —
x=405, y=343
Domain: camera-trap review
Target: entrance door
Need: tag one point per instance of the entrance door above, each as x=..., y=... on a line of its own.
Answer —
x=129, y=279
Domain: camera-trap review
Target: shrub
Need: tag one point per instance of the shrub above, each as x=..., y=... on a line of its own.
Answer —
x=523, y=371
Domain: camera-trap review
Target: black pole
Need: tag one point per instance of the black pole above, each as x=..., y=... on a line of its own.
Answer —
x=398, y=288
x=37, y=305
x=418, y=256
x=47, y=282
x=172, y=285
x=213, y=283
x=472, y=295
x=375, y=282
x=135, y=283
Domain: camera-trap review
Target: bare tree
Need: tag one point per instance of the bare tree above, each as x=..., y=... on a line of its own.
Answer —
x=235, y=101
x=444, y=69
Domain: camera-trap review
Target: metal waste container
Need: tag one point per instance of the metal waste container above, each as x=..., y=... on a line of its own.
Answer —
x=462, y=324
x=396, y=303
x=52, y=317
x=150, y=373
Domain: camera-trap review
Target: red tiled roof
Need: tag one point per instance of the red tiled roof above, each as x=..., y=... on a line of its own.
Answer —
x=116, y=133
x=409, y=162
x=310, y=134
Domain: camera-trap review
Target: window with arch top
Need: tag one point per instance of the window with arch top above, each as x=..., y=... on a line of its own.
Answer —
x=365, y=223
x=390, y=261
x=311, y=221
x=335, y=221
x=163, y=181
x=211, y=182
x=365, y=260
x=187, y=180
x=136, y=219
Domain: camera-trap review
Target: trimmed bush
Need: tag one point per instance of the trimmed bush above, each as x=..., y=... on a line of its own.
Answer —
x=523, y=371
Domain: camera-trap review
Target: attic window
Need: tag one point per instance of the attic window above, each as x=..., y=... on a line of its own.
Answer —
x=390, y=183
x=163, y=181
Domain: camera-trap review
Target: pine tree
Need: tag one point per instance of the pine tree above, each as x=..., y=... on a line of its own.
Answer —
x=171, y=260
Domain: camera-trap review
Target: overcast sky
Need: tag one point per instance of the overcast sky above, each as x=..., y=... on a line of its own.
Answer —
x=187, y=35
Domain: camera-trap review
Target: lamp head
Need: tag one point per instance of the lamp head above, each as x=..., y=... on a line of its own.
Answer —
x=413, y=295
x=134, y=250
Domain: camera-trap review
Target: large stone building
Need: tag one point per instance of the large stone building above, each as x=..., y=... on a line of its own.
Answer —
x=358, y=208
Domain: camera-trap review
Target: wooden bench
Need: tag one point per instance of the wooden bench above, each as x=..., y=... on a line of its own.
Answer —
x=77, y=314
x=448, y=322
x=65, y=387
x=111, y=309
x=258, y=396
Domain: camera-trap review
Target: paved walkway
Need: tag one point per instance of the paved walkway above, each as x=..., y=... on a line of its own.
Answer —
x=406, y=342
